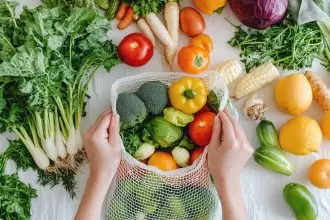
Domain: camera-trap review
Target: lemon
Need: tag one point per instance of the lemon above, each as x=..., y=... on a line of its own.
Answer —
x=301, y=135
x=293, y=94
x=325, y=125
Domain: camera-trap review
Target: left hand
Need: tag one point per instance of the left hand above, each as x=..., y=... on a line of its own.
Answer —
x=102, y=143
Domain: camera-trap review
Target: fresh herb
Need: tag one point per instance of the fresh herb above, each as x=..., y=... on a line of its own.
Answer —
x=143, y=7
x=15, y=198
x=285, y=45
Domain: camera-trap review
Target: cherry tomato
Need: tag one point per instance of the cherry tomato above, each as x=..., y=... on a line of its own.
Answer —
x=135, y=49
x=203, y=41
x=196, y=154
x=200, y=130
x=192, y=22
x=192, y=59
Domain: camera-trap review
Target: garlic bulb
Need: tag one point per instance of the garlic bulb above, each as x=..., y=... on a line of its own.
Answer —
x=254, y=108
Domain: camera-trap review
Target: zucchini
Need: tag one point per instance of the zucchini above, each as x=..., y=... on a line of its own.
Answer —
x=301, y=200
x=273, y=159
x=267, y=134
x=112, y=9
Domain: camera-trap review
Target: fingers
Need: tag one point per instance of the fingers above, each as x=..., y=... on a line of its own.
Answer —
x=99, y=118
x=227, y=128
x=103, y=124
x=216, y=132
x=239, y=133
x=114, y=130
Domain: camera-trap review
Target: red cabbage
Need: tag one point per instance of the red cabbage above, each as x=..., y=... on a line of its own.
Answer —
x=259, y=14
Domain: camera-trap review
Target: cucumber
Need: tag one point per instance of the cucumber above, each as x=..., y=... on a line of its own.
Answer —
x=112, y=9
x=267, y=134
x=273, y=159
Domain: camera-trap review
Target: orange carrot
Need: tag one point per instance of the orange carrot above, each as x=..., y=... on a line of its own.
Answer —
x=121, y=11
x=127, y=20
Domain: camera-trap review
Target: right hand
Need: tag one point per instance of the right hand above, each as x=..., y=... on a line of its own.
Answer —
x=227, y=158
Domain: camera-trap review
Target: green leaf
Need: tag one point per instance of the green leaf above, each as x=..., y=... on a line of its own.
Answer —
x=143, y=7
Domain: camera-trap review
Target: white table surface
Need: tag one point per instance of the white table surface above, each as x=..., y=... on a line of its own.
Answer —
x=262, y=188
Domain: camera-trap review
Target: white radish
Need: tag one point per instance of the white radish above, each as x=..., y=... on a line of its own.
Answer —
x=159, y=29
x=71, y=144
x=171, y=15
x=143, y=25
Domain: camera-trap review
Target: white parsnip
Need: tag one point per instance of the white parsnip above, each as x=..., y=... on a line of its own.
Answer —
x=256, y=79
x=171, y=15
x=159, y=29
x=145, y=28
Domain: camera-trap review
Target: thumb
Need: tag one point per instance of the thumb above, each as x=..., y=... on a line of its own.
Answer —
x=216, y=133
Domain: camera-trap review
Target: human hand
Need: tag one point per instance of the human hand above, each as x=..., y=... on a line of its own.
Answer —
x=227, y=158
x=102, y=143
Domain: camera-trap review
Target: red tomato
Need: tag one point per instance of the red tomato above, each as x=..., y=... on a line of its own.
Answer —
x=200, y=130
x=192, y=22
x=206, y=108
x=135, y=49
x=195, y=154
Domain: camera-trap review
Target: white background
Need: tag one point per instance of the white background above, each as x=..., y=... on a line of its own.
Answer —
x=262, y=189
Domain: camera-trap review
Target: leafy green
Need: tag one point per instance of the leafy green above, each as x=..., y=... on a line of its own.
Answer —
x=131, y=139
x=285, y=45
x=144, y=7
x=57, y=50
x=15, y=198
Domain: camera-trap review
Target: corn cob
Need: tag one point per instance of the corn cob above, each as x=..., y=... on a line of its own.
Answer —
x=257, y=78
x=229, y=71
x=321, y=93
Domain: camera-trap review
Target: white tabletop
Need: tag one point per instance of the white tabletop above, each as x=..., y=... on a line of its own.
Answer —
x=262, y=188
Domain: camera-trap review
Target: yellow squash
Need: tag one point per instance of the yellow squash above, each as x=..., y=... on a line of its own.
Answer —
x=188, y=95
x=209, y=6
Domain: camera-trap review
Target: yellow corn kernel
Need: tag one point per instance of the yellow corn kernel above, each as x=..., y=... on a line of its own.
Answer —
x=257, y=78
x=229, y=71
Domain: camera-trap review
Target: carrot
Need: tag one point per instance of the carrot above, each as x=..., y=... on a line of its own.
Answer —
x=320, y=91
x=121, y=11
x=127, y=20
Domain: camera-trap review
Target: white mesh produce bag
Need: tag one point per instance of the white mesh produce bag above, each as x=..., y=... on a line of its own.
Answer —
x=144, y=192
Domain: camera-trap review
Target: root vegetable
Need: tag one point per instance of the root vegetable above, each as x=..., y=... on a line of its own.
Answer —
x=181, y=156
x=254, y=108
x=320, y=91
x=145, y=28
x=127, y=20
x=121, y=11
x=144, y=151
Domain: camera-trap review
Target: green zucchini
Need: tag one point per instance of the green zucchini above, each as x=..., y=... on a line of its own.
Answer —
x=112, y=9
x=301, y=200
x=267, y=134
x=273, y=159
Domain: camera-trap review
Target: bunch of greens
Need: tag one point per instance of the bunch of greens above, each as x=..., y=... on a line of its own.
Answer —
x=47, y=58
x=15, y=198
x=144, y=7
x=286, y=45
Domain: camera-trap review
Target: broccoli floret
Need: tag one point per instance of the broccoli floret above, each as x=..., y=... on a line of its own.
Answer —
x=154, y=95
x=131, y=110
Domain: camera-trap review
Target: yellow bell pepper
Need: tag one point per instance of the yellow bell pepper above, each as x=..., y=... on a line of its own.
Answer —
x=188, y=95
x=209, y=6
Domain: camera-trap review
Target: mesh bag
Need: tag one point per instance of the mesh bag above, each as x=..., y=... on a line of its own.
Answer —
x=144, y=192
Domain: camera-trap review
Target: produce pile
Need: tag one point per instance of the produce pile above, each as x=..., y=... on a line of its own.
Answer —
x=167, y=127
x=49, y=54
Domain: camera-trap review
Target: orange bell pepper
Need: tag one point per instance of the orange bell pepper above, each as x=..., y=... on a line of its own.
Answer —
x=204, y=41
x=209, y=6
